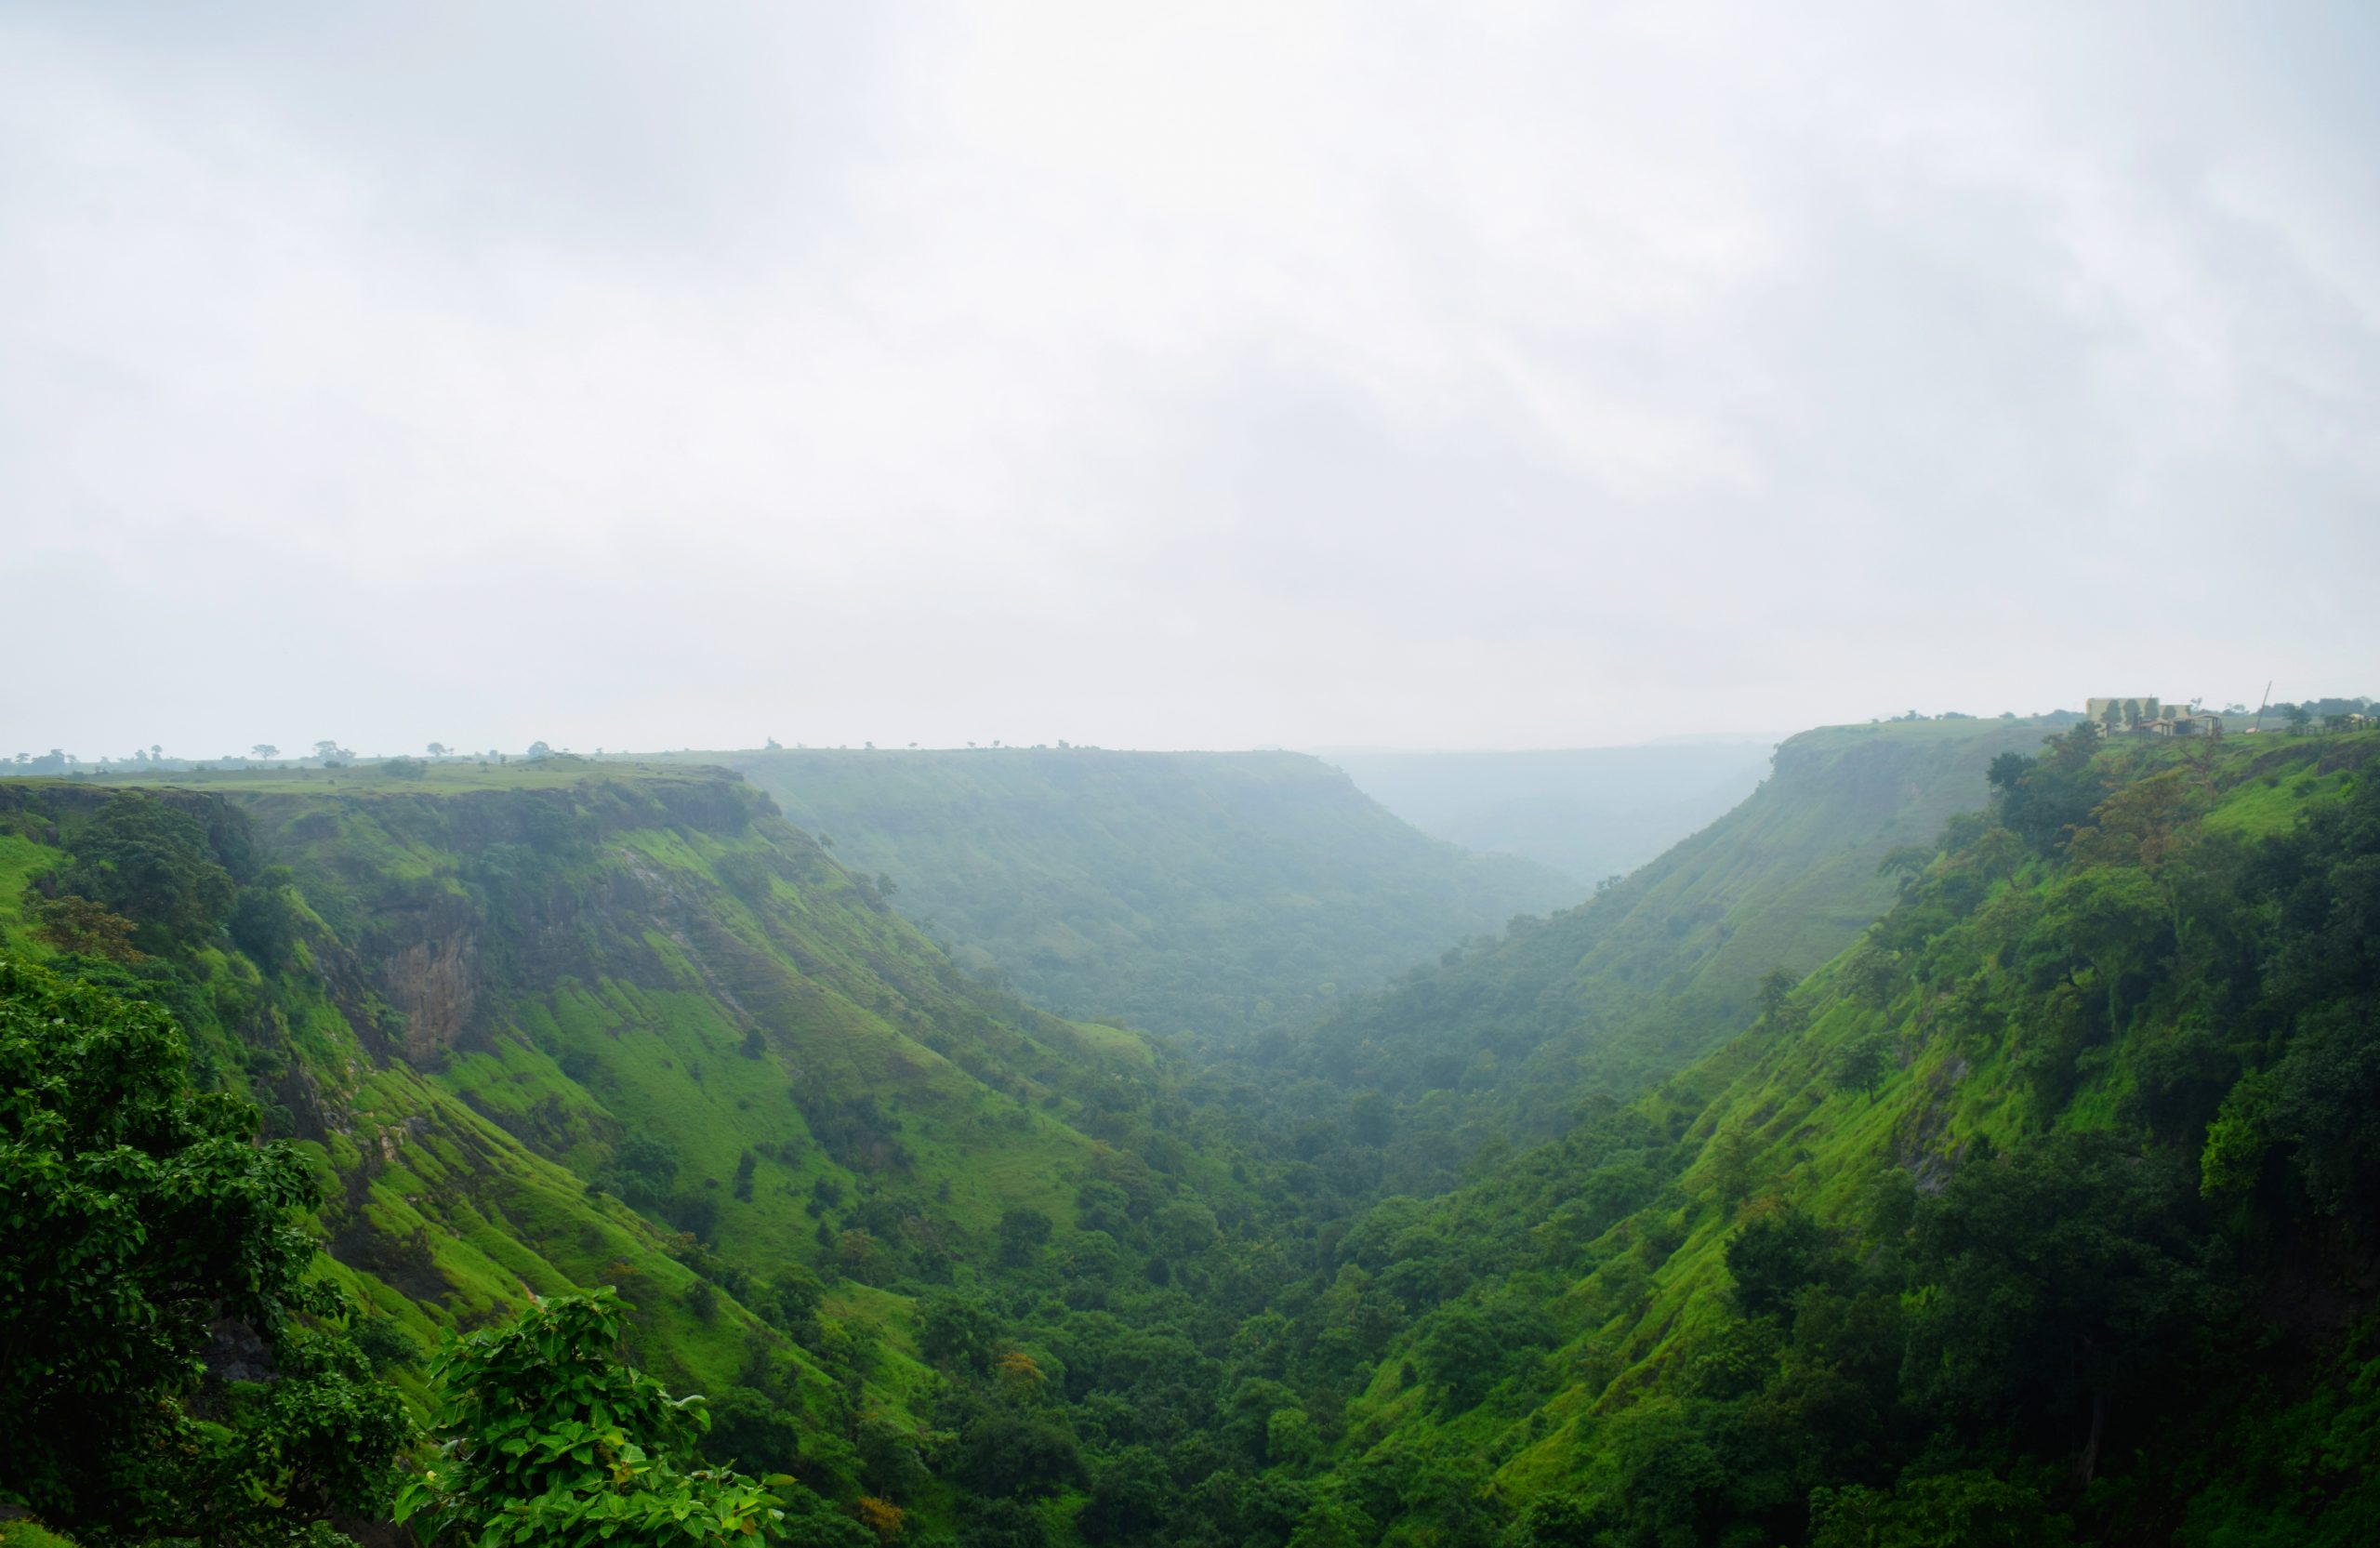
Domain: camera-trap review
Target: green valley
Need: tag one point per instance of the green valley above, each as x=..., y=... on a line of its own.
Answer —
x=1952, y=1139
x=1142, y=776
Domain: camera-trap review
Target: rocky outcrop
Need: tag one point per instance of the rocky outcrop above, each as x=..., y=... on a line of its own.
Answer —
x=433, y=984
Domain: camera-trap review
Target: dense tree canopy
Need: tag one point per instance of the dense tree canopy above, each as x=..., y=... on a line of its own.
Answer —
x=139, y=1220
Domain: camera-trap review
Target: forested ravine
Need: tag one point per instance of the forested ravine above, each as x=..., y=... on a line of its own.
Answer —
x=1973, y=1139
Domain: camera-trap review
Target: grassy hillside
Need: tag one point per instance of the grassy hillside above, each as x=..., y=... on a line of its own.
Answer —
x=2044, y=1213
x=1655, y=970
x=544, y=1028
x=1217, y=893
x=1589, y=812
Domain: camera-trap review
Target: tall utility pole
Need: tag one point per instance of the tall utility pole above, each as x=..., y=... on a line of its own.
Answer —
x=2260, y=707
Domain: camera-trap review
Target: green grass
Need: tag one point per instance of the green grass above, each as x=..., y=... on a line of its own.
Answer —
x=21, y=860
x=1119, y=1043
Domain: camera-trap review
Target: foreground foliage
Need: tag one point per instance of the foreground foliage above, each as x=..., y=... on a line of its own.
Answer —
x=137, y=1223
x=550, y=1438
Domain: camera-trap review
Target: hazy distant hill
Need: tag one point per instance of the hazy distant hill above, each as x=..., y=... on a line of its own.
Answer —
x=1589, y=812
x=1653, y=972
x=1220, y=892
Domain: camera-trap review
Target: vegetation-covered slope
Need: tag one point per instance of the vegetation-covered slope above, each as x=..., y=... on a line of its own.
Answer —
x=547, y=1028
x=1589, y=812
x=1658, y=968
x=1218, y=893
x=2044, y=1213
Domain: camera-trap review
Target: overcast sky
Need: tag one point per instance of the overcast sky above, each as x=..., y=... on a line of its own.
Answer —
x=1175, y=376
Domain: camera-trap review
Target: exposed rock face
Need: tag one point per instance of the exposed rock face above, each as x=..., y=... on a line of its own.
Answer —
x=434, y=984
x=235, y=1352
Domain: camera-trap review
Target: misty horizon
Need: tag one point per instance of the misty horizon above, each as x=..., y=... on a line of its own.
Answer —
x=1763, y=740
x=1344, y=376
x=308, y=751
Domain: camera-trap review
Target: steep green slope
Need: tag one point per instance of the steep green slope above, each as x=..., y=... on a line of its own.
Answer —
x=1655, y=969
x=1589, y=812
x=2044, y=1214
x=1217, y=893
x=550, y=1028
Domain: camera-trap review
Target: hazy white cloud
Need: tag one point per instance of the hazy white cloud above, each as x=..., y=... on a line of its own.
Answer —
x=1523, y=374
